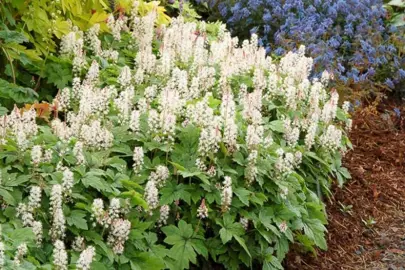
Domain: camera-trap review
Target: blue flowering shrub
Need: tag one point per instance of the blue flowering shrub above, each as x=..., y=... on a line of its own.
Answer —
x=348, y=38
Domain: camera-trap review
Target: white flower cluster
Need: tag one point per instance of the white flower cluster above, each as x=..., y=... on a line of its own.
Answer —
x=78, y=244
x=26, y=213
x=229, y=123
x=94, y=135
x=67, y=182
x=86, y=258
x=98, y=212
x=21, y=125
x=22, y=250
x=119, y=232
x=116, y=26
x=138, y=159
x=245, y=223
x=78, y=152
x=60, y=256
x=164, y=215
x=151, y=195
x=156, y=180
x=291, y=134
x=114, y=209
x=110, y=219
x=58, y=219
x=37, y=229
x=331, y=139
x=226, y=194
x=34, y=199
x=160, y=175
x=172, y=101
x=251, y=170
x=36, y=154
x=2, y=257
x=287, y=162
x=202, y=211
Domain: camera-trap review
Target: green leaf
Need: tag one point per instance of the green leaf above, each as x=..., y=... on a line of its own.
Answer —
x=173, y=192
x=136, y=198
x=186, y=244
x=226, y=235
x=18, y=236
x=3, y=111
x=215, y=247
x=229, y=228
x=272, y=264
x=277, y=125
x=17, y=93
x=98, y=266
x=146, y=261
x=77, y=219
x=7, y=197
x=59, y=74
x=12, y=36
x=243, y=194
x=92, y=180
x=398, y=3
x=282, y=248
x=13, y=181
x=266, y=216
x=241, y=242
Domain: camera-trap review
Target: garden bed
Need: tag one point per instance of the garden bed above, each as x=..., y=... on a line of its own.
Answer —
x=376, y=192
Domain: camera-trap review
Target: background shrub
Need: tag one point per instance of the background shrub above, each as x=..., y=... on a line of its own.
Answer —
x=30, y=33
x=168, y=151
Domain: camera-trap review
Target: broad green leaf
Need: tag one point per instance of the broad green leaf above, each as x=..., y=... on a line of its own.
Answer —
x=3, y=111
x=17, y=93
x=173, y=192
x=58, y=74
x=229, y=229
x=398, y=3
x=7, y=197
x=91, y=180
x=77, y=219
x=281, y=248
x=243, y=195
x=146, y=261
x=136, y=198
x=241, y=242
x=277, y=125
x=186, y=244
x=12, y=36
x=18, y=236
x=13, y=181
x=226, y=235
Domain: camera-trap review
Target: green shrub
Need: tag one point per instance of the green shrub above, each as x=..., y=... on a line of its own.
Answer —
x=168, y=151
x=30, y=33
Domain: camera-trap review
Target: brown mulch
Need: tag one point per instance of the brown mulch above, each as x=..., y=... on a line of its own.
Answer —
x=377, y=191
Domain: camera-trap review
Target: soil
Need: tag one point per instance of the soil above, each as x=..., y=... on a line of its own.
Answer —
x=366, y=227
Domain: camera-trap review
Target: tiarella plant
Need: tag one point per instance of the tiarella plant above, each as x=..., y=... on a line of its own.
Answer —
x=350, y=38
x=168, y=151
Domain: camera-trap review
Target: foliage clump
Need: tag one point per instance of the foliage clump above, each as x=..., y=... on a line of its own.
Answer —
x=168, y=151
x=30, y=33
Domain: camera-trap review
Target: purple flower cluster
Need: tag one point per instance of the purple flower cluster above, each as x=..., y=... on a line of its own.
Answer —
x=345, y=37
